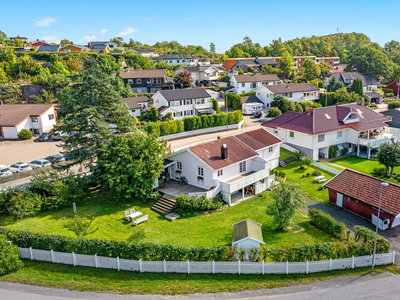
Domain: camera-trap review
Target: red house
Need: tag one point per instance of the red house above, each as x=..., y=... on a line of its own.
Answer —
x=39, y=43
x=395, y=86
x=359, y=193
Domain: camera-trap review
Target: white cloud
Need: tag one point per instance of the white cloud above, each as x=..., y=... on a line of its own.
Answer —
x=149, y=19
x=44, y=21
x=89, y=37
x=127, y=31
x=51, y=39
x=104, y=31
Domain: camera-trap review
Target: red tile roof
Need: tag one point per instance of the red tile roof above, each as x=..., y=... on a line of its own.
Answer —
x=282, y=119
x=258, y=139
x=365, y=188
x=210, y=152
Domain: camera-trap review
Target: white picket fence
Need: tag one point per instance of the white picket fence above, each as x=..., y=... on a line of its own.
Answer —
x=212, y=267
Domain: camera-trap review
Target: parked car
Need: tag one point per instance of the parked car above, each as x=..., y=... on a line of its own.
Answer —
x=4, y=171
x=58, y=136
x=257, y=114
x=19, y=167
x=39, y=163
x=45, y=136
x=55, y=159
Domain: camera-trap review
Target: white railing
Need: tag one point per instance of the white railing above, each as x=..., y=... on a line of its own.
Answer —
x=373, y=143
x=392, y=130
x=230, y=187
x=210, y=267
x=210, y=194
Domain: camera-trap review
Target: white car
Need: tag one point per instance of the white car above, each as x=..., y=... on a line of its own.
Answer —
x=19, y=167
x=39, y=163
x=4, y=171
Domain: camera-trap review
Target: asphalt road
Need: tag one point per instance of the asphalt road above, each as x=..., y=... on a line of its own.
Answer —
x=383, y=286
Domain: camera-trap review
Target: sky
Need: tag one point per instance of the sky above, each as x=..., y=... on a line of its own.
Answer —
x=224, y=23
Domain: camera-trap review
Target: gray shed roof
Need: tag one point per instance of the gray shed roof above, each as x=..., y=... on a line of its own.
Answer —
x=247, y=229
x=373, y=95
x=182, y=94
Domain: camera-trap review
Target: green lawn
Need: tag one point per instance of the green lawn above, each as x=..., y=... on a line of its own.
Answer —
x=332, y=166
x=285, y=154
x=205, y=230
x=363, y=165
x=103, y=280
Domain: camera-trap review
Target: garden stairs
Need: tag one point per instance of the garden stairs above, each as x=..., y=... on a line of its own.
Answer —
x=165, y=205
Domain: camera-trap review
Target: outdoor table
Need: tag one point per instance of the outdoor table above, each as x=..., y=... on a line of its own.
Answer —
x=135, y=215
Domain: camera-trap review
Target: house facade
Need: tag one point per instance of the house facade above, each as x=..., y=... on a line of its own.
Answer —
x=369, y=82
x=394, y=116
x=183, y=103
x=352, y=126
x=256, y=64
x=145, y=52
x=111, y=45
x=237, y=167
x=359, y=193
x=251, y=104
x=247, y=83
x=39, y=43
x=37, y=118
x=136, y=105
x=202, y=73
x=74, y=48
x=22, y=38
x=294, y=92
x=146, y=81
x=178, y=59
x=395, y=86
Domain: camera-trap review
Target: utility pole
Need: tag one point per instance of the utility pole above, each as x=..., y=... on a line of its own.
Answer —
x=226, y=110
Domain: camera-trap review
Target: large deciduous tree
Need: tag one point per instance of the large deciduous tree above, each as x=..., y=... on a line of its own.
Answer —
x=287, y=199
x=325, y=69
x=310, y=70
x=388, y=155
x=286, y=64
x=183, y=78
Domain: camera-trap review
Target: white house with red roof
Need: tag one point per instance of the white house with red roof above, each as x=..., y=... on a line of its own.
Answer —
x=352, y=126
x=237, y=167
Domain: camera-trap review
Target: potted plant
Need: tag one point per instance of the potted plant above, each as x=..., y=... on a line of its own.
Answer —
x=199, y=178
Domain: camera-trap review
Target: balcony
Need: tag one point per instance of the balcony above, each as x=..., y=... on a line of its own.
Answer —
x=244, y=180
x=159, y=84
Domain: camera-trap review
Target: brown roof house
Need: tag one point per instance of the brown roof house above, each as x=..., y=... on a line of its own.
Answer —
x=34, y=117
x=136, y=104
x=359, y=193
x=237, y=167
x=347, y=128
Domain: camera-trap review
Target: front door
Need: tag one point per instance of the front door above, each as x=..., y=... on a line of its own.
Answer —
x=339, y=200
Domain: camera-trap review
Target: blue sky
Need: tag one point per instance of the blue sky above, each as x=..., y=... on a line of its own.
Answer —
x=197, y=23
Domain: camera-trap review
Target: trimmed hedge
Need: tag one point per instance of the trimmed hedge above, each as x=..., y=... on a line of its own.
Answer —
x=185, y=203
x=136, y=251
x=164, y=128
x=326, y=223
x=154, y=128
x=367, y=235
x=179, y=126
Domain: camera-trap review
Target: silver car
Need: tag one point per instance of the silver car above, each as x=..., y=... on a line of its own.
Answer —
x=39, y=163
x=4, y=171
x=19, y=167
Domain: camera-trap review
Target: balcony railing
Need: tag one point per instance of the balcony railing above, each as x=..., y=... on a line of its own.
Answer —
x=375, y=142
x=158, y=84
x=240, y=182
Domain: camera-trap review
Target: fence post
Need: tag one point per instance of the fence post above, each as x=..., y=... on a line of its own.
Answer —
x=263, y=267
x=30, y=253
x=239, y=266
x=307, y=267
x=140, y=265
x=287, y=267
x=394, y=254
x=165, y=266
x=118, y=265
x=95, y=261
x=352, y=262
x=52, y=256
x=188, y=266
x=73, y=258
x=330, y=264
x=213, y=266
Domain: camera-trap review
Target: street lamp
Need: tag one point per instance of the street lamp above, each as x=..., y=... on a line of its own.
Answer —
x=377, y=222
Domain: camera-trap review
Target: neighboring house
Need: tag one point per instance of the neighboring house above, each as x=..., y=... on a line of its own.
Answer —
x=111, y=45
x=251, y=104
x=394, y=116
x=352, y=126
x=23, y=39
x=237, y=167
x=369, y=82
x=48, y=48
x=183, y=103
x=294, y=92
x=117, y=52
x=247, y=234
x=248, y=83
x=178, y=59
x=395, y=86
x=359, y=193
x=74, y=48
x=39, y=43
x=201, y=73
x=146, y=81
x=374, y=97
x=145, y=52
x=136, y=104
x=34, y=117
x=99, y=49
x=19, y=50
x=256, y=64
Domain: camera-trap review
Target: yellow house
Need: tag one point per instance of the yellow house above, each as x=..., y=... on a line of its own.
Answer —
x=74, y=48
x=100, y=48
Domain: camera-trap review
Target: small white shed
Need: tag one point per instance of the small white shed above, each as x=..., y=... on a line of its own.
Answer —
x=247, y=234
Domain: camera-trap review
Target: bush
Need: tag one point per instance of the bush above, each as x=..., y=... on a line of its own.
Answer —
x=189, y=124
x=274, y=112
x=393, y=104
x=172, y=127
x=197, y=122
x=238, y=116
x=231, y=118
x=367, y=235
x=185, y=203
x=379, y=171
x=215, y=104
x=345, y=150
x=237, y=102
x=326, y=223
x=179, y=126
x=154, y=115
x=332, y=152
x=372, y=105
x=9, y=257
x=154, y=128
x=164, y=128
x=331, y=98
x=109, y=248
x=24, y=204
x=204, y=121
x=388, y=95
x=316, y=173
x=25, y=134
x=321, y=84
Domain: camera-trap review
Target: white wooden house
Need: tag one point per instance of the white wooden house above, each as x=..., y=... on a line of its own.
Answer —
x=247, y=83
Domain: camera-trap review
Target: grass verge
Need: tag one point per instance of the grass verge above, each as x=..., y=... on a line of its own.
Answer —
x=285, y=154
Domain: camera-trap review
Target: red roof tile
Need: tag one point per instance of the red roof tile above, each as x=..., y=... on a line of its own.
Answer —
x=258, y=139
x=365, y=188
x=287, y=116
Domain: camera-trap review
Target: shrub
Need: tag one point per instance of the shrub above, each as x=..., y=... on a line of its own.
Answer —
x=185, y=203
x=25, y=134
x=215, y=105
x=24, y=204
x=308, y=160
x=345, y=150
x=372, y=105
x=164, y=128
x=379, y=171
x=367, y=235
x=9, y=257
x=179, y=126
x=197, y=122
x=321, y=84
x=154, y=128
x=231, y=118
x=274, y=112
x=221, y=119
x=168, y=116
x=154, y=115
x=332, y=152
x=316, y=173
x=238, y=116
x=189, y=123
x=172, y=127
x=326, y=223
x=393, y=104
x=204, y=121
x=388, y=95
x=237, y=102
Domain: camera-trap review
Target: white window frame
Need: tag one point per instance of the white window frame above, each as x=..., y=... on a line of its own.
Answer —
x=339, y=134
x=179, y=165
x=291, y=134
x=130, y=81
x=242, y=167
x=200, y=171
x=270, y=149
x=220, y=172
x=321, y=138
x=51, y=117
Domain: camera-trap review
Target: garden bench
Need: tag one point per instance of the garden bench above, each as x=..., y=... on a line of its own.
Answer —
x=129, y=212
x=140, y=220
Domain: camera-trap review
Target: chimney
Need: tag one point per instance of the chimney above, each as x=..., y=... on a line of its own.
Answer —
x=309, y=111
x=224, y=152
x=362, y=101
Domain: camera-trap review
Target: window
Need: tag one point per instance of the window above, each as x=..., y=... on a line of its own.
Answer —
x=170, y=61
x=51, y=117
x=270, y=149
x=339, y=134
x=200, y=171
x=36, y=131
x=67, y=50
x=175, y=103
x=242, y=167
x=177, y=114
x=188, y=102
x=200, y=101
x=177, y=61
x=321, y=138
x=258, y=94
x=220, y=173
x=34, y=119
x=130, y=81
x=179, y=165
x=243, y=84
x=291, y=134
x=183, y=60
x=139, y=81
x=267, y=104
x=254, y=85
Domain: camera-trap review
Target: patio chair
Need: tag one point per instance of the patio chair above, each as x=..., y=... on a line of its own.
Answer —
x=129, y=212
x=140, y=220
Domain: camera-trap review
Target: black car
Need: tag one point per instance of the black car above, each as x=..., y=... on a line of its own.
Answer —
x=257, y=114
x=55, y=159
x=45, y=136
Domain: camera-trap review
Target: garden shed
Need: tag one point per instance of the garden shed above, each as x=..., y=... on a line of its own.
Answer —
x=247, y=234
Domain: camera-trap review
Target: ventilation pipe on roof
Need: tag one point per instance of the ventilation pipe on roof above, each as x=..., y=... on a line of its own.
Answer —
x=309, y=111
x=362, y=101
x=224, y=152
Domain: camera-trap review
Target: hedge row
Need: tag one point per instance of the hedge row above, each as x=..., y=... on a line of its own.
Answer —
x=326, y=223
x=184, y=203
x=165, y=128
x=144, y=251
x=365, y=234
